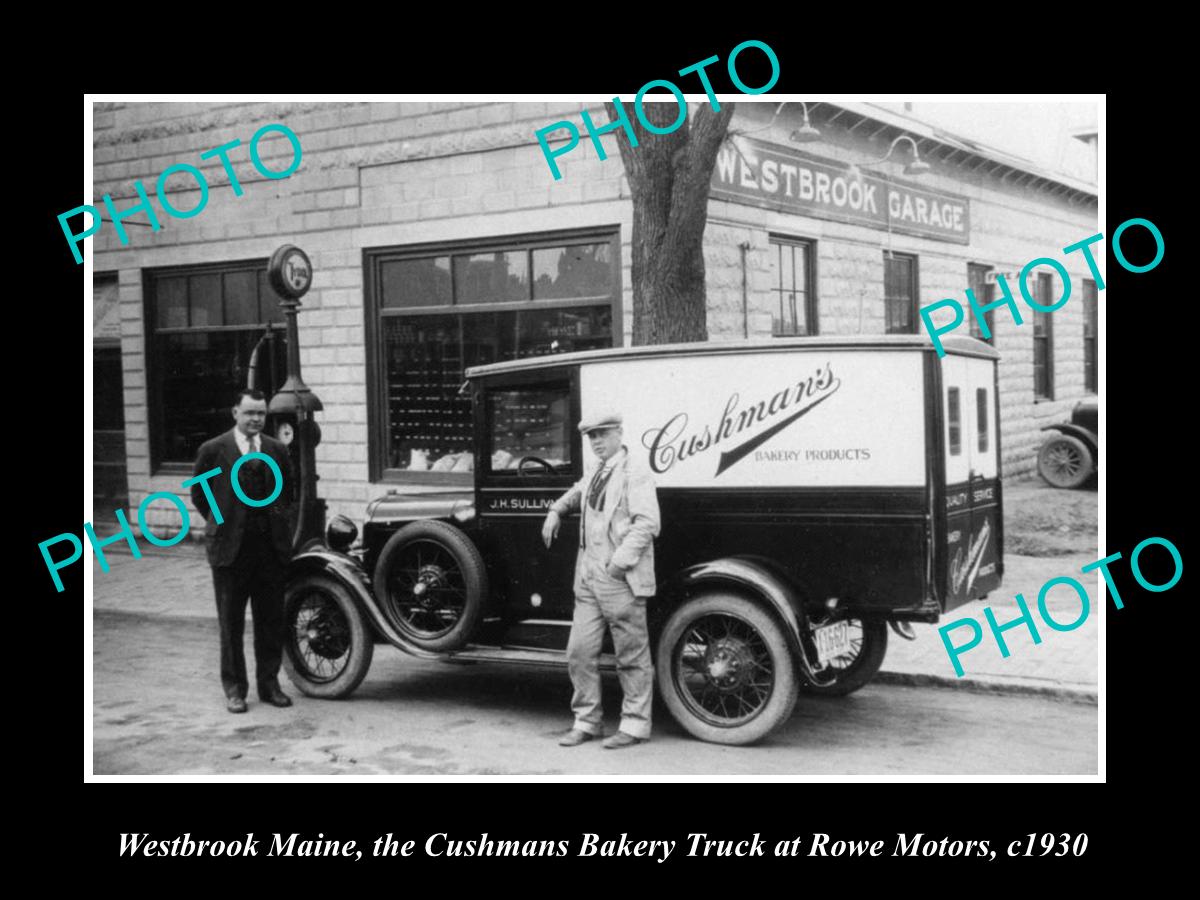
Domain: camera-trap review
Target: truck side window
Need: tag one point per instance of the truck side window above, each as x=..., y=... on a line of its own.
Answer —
x=981, y=416
x=955, y=416
x=529, y=422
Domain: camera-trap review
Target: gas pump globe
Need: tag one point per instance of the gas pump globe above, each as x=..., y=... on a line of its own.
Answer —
x=294, y=404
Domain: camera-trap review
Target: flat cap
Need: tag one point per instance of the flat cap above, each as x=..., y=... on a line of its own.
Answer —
x=600, y=420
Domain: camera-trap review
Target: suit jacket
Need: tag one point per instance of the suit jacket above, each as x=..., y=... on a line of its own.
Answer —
x=225, y=540
x=631, y=518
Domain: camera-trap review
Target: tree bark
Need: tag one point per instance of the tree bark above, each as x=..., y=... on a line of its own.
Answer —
x=669, y=177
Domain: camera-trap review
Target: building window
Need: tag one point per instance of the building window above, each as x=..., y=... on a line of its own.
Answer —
x=1043, y=342
x=955, y=421
x=793, y=287
x=900, y=292
x=432, y=312
x=984, y=292
x=1090, y=329
x=205, y=324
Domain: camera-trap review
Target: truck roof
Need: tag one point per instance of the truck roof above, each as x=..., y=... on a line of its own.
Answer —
x=957, y=345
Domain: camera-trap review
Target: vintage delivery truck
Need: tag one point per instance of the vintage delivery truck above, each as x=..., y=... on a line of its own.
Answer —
x=813, y=492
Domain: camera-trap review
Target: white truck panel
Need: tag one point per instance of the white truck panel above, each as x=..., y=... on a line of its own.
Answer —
x=819, y=418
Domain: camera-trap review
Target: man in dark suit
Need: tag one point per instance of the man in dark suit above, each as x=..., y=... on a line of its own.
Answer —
x=249, y=544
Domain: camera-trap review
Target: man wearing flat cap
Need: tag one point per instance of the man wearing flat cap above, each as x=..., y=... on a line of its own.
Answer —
x=614, y=576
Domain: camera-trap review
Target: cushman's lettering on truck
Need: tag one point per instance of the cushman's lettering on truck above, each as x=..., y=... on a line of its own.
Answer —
x=673, y=443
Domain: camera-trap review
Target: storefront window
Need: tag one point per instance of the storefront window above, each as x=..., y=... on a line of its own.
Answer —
x=436, y=313
x=206, y=323
x=794, y=302
x=900, y=292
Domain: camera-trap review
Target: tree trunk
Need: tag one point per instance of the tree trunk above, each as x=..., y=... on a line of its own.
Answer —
x=669, y=177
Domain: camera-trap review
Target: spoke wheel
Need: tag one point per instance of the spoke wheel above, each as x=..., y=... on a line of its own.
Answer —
x=430, y=581
x=725, y=671
x=327, y=648
x=847, y=673
x=1064, y=461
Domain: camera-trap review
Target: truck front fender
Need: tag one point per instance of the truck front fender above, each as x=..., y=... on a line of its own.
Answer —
x=758, y=578
x=350, y=574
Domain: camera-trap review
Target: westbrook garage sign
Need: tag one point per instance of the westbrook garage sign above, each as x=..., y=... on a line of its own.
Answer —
x=768, y=175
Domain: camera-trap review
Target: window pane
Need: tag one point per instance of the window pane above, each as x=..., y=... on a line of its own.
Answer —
x=491, y=277
x=981, y=416
x=955, y=420
x=583, y=270
x=241, y=297
x=424, y=369
x=489, y=338
x=170, y=300
x=977, y=282
x=787, y=267
x=204, y=298
x=547, y=331
x=792, y=307
x=898, y=287
x=200, y=374
x=108, y=399
x=530, y=422
x=269, y=309
x=415, y=282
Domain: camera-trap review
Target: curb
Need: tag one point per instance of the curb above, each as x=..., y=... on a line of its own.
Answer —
x=1058, y=691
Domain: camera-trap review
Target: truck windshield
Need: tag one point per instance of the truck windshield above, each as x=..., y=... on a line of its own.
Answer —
x=530, y=422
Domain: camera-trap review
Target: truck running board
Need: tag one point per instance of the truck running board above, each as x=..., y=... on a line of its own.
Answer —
x=522, y=656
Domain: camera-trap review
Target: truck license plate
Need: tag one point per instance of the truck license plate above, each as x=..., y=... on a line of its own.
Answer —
x=832, y=641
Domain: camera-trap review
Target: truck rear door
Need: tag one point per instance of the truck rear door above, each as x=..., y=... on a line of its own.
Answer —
x=973, y=532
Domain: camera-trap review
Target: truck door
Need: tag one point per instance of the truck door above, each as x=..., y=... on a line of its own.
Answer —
x=530, y=457
x=972, y=478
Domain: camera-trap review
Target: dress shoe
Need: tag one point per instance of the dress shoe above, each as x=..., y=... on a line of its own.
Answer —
x=622, y=739
x=275, y=696
x=235, y=704
x=575, y=737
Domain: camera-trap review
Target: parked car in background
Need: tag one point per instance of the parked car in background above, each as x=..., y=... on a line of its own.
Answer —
x=1070, y=455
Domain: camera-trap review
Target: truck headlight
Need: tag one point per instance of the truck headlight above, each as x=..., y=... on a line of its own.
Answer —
x=340, y=533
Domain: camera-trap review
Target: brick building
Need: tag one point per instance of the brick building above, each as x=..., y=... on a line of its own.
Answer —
x=440, y=240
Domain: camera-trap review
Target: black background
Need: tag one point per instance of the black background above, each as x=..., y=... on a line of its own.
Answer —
x=1147, y=400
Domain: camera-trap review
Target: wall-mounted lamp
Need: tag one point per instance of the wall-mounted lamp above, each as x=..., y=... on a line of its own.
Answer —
x=918, y=166
x=806, y=133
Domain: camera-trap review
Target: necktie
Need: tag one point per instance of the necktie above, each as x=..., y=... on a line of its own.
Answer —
x=594, y=500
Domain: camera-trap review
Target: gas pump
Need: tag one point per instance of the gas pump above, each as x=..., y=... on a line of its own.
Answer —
x=294, y=405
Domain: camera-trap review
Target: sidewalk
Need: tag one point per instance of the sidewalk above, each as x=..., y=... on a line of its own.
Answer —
x=177, y=581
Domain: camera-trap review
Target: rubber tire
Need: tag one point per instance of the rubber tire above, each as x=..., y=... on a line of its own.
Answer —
x=864, y=668
x=1079, y=447
x=362, y=644
x=470, y=564
x=784, y=692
